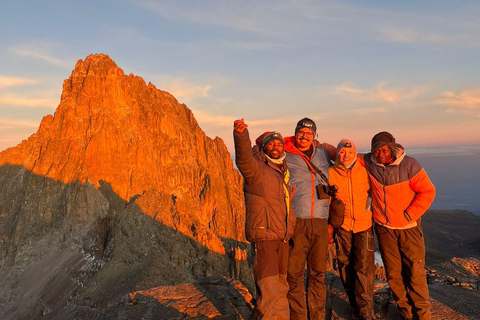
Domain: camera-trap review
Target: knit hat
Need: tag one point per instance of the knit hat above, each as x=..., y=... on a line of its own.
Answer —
x=381, y=139
x=306, y=123
x=345, y=143
x=268, y=136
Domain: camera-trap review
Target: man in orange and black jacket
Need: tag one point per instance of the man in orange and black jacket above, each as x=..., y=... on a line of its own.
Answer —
x=402, y=193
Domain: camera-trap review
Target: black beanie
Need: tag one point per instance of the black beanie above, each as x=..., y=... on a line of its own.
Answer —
x=306, y=123
x=382, y=139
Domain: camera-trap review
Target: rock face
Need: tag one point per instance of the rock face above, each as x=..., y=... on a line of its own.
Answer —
x=121, y=190
x=114, y=128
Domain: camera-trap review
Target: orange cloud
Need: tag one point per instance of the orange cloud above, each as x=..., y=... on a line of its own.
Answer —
x=378, y=93
x=21, y=101
x=466, y=100
x=14, y=81
x=10, y=123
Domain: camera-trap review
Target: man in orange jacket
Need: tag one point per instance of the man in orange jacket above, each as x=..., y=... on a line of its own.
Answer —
x=354, y=239
x=402, y=193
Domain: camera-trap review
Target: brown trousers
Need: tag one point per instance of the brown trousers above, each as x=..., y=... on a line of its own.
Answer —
x=403, y=254
x=270, y=271
x=356, y=259
x=310, y=241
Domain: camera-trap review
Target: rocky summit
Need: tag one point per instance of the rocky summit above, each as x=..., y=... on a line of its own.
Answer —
x=119, y=191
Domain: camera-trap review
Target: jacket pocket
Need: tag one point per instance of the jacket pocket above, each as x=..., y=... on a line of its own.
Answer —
x=256, y=224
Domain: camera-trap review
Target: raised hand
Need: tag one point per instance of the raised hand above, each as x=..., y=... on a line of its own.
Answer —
x=239, y=125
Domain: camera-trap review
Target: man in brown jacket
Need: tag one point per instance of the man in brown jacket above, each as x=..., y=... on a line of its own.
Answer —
x=270, y=221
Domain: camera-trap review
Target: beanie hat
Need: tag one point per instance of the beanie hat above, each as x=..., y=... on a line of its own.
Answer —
x=306, y=123
x=381, y=139
x=268, y=136
x=345, y=143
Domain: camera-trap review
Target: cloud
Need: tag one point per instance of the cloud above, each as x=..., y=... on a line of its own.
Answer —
x=12, y=123
x=17, y=100
x=466, y=100
x=367, y=111
x=266, y=17
x=415, y=35
x=227, y=121
x=129, y=35
x=254, y=46
x=220, y=121
x=378, y=93
x=14, y=81
x=305, y=20
x=443, y=27
x=195, y=89
x=182, y=88
x=42, y=51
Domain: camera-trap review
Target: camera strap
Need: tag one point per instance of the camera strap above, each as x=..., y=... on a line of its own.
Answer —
x=322, y=176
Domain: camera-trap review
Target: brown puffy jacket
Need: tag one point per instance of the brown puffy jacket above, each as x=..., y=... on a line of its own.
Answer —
x=266, y=194
x=353, y=189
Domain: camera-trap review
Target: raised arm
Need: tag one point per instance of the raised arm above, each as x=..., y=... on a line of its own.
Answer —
x=246, y=162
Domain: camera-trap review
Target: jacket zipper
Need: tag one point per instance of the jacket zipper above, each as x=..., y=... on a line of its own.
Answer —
x=313, y=195
x=350, y=193
x=285, y=188
x=385, y=194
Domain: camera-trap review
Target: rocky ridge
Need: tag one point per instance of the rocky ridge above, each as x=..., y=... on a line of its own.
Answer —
x=114, y=128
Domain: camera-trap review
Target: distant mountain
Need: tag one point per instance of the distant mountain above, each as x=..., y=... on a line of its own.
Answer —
x=119, y=191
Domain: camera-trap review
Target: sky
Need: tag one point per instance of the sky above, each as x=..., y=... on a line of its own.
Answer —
x=354, y=67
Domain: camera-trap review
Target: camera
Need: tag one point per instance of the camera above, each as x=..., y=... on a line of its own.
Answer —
x=326, y=191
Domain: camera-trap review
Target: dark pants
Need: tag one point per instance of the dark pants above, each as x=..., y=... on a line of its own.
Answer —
x=270, y=270
x=356, y=259
x=310, y=241
x=403, y=254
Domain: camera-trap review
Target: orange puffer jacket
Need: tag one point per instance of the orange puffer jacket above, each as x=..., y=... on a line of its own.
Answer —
x=401, y=191
x=353, y=189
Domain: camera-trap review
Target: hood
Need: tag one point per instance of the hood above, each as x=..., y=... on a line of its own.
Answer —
x=291, y=148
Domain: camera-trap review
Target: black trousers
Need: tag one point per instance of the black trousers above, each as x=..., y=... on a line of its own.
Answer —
x=355, y=258
x=403, y=254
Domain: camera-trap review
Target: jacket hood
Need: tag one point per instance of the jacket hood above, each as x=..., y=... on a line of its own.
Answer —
x=340, y=168
x=290, y=146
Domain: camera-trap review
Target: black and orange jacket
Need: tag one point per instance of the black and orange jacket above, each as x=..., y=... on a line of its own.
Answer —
x=269, y=215
x=401, y=191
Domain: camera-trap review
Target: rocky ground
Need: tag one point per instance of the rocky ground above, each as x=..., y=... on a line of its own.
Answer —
x=454, y=291
x=221, y=298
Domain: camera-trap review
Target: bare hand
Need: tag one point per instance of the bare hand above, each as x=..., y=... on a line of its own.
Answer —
x=239, y=125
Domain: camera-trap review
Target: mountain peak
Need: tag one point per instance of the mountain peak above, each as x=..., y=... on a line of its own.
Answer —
x=113, y=128
x=92, y=62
